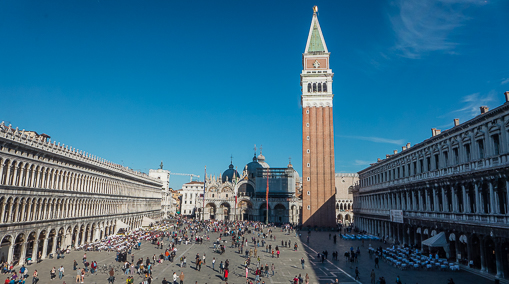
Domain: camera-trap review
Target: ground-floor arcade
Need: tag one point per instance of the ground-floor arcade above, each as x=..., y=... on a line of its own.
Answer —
x=478, y=246
x=38, y=241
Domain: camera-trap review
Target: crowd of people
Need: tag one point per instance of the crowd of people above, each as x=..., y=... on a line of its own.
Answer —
x=255, y=246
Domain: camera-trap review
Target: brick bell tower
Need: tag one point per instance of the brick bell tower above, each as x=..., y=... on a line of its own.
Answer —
x=317, y=132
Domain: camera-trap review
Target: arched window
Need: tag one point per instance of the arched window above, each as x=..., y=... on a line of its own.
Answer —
x=319, y=87
x=309, y=87
x=314, y=87
x=324, y=87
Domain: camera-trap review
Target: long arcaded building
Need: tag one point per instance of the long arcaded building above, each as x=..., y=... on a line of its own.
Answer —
x=450, y=189
x=54, y=196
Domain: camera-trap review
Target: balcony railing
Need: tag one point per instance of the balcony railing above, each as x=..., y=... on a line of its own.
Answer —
x=472, y=166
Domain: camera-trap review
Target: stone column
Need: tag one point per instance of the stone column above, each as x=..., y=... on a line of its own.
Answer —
x=419, y=197
x=22, y=180
x=477, y=206
x=435, y=203
x=26, y=206
x=44, y=247
x=1, y=172
x=454, y=199
x=34, y=250
x=493, y=207
x=23, y=253
x=10, y=255
x=32, y=178
x=75, y=242
x=9, y=167
x=54, y=247
x=444, y=201
x=457, y=246
x=2, y=209
x=15, y=176
x=483, y=256
x=466, y=207
x=83, y=236
x=499, y=258
x=16, y=211
x=428, y=200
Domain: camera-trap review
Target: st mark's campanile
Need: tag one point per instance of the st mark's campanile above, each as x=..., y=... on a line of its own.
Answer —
x=317, y=132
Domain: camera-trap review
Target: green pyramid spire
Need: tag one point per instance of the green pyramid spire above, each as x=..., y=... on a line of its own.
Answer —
x=315, y=44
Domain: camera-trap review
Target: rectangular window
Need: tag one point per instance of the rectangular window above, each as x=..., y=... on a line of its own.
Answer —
x=437, y=162
x=415, y=168
x=496, y=144
x=428, y=163
x=467, y=152
x=480, y=145
x=403, y=171
x=421, y=164
x=190, y=202
x=446, y=158
x=456, y=156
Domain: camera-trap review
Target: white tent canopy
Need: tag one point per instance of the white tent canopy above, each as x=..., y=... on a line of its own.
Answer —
x=437, y=240
x=120, y=225
x=147, y=221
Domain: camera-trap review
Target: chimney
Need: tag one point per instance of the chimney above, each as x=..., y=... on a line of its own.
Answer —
x=403, y=148
x=435, y=132
x=506, y=97
x=408, y=145
x=395, y=152
x=387, y=156
x=456, y=121
x=378, y=160
x=484, y=109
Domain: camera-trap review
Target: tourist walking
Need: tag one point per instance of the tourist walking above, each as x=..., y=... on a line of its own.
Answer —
x=181, y=277
x=53, y=273
x=61, y=272
x=357, y=277
x=302, y=262
x=111, y=279
x=35, y=277
x=373, y=277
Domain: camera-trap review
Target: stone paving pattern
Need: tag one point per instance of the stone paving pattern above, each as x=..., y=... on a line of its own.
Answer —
x=287, y=266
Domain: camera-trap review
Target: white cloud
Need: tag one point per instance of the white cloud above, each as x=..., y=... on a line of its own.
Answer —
x=473, y=102
x=423, y=26
x=504, y=81
x=362, y=163
x=376, y=139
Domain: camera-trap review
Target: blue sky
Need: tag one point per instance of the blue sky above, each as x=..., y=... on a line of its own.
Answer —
x=193, y=82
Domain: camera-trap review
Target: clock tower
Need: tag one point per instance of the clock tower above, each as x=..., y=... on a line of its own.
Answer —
x=318, y=180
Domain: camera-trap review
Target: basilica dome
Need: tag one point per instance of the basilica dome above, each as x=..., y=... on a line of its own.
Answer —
x=261, y=161
x=251, y=168
x=229, y=174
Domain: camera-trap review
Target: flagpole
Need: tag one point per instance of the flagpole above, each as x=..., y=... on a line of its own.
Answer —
x=204, y=186
x=235, y=191
x=267, y=199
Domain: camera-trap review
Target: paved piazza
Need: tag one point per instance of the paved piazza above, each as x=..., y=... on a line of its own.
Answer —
x=287, y=266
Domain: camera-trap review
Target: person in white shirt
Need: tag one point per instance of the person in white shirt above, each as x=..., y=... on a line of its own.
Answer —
x=61, y=272
x=175, y=277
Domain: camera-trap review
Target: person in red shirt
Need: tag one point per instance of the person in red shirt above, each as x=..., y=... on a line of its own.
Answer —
x=295, y=280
